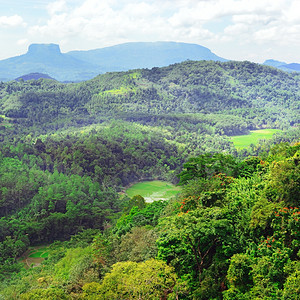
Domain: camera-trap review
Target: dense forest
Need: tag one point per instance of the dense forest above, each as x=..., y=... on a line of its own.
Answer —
x=67, y=151
x=226, y=98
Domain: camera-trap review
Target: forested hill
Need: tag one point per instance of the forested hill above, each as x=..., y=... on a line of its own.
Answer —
x=243, y=95
x=68, y=150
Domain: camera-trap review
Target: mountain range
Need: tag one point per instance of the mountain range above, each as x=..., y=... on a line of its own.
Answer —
x=83, y=65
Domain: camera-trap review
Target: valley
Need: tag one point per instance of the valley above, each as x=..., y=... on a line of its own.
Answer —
x=220, y=223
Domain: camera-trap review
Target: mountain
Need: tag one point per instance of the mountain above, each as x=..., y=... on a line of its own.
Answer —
x=144, y=55
x=274, y=63
x=292, y=67
x=34, y=76
x=47, y=58
x=84, y=65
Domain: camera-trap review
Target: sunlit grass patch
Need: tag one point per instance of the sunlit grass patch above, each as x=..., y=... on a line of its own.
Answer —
x=153, y=190
x=243, y=141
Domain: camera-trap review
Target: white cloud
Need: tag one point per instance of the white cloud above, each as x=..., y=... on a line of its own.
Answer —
x=254, y=19
x=22, y=42
x=110, y=21
x=11, y=21
x=236, y=29
x=56, y=7
x=84, y=24
x=291, y=13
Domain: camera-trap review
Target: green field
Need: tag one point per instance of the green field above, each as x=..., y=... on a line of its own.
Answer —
x=153, y=190
x=243, y=141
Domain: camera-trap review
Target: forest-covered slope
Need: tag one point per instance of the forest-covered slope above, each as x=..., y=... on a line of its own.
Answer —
x=233, y=233
x=67, y=150
x=232, y=97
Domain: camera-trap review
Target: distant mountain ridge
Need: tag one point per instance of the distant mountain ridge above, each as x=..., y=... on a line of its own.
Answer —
x=292, y=67
x=144, y=55
x=84, y=65
x=47, y=59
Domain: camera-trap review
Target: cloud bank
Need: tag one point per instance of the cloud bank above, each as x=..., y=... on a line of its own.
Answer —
x=235, y=29
x=11, y=21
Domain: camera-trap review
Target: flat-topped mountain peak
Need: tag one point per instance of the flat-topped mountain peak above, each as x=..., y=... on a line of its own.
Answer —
x=43, y=49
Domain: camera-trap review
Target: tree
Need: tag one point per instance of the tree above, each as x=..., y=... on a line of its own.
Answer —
x=45, y=294
x=152, y=279
x=190, y=240
x=208, y=165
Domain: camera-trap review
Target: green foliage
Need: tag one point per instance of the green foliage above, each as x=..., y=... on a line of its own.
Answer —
x=151, y=279
x=68, y=149
x=261, y=213
x=285, y=180
x=67, y=267
x=140, y=217
x=205, y=192
x=137, y=201
x=239, y=272
x=208, y=165
x=137, y=245
x=91, y=290
x=45, y=294
x=189, y=241
x=292, y=286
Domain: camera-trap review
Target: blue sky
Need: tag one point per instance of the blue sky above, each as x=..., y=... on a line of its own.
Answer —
x=253, y=30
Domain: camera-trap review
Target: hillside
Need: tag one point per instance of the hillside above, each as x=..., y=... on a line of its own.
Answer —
x=232, y=97
x=68, y=152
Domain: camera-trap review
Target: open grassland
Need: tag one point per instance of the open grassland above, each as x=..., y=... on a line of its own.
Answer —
x=153, y=190
x=243, y=141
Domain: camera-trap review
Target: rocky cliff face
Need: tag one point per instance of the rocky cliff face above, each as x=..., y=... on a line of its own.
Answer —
x=43, y=49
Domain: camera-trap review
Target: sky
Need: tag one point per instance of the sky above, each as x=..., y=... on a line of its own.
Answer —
x=253, y=30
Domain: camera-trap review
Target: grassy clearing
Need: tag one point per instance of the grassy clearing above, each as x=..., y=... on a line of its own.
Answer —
x=243, y=141
x=34, y=256
x=153, y=190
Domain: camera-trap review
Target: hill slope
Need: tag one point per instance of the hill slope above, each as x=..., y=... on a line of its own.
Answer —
x=231, y=96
